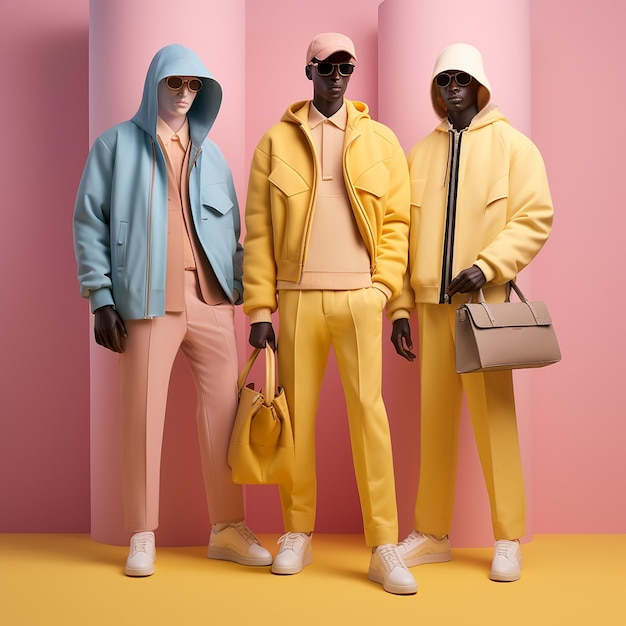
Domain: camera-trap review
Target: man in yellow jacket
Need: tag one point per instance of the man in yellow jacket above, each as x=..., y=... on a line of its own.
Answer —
x=327, y=219
x=480, y=212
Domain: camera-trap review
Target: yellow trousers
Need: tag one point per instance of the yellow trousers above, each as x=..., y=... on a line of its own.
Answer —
x=350, y=321
x=492, y=408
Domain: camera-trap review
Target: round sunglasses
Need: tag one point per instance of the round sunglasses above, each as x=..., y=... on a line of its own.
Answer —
x=462, y=79
x=176, y=83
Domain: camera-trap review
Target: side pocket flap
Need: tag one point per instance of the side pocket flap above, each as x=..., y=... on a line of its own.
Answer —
x=499, y=191
x=418, y=185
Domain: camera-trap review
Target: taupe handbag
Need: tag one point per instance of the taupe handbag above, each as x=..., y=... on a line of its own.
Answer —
x=261, y=449
x=505, y=335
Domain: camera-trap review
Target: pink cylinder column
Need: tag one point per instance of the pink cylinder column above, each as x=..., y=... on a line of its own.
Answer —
x=123, y=38
x=411, y=35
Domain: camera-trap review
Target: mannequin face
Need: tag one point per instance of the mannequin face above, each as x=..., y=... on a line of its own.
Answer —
x=328, y=91
x=459, y=99
x=174, y=105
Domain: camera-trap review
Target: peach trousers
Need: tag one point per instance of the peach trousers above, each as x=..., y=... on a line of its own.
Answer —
x=206, y=335
x=350, y=321
x=492, y=408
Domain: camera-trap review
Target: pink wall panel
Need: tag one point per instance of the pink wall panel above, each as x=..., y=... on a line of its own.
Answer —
x=44, y=386
x=580, y=424
x=577, y=411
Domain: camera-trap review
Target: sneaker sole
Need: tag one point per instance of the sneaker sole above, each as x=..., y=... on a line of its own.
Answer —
x=286, y=570
x=227, y=554
x=425, y=559
x=139, y=573
x=504, y=578
x=399, y=590
x=507, y=578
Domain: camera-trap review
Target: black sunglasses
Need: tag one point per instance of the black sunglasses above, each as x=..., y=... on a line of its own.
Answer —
x=324, y=68
x=175, y=83
x=462, y=79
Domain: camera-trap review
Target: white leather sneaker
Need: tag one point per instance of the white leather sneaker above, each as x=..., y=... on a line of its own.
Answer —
x=237, y=543
x=294, y=554
x=420, y=549
x=507, y=561
x=389, y=570
x=142, y=555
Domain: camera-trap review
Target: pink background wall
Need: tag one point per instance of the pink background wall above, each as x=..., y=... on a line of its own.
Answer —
x=576, y=426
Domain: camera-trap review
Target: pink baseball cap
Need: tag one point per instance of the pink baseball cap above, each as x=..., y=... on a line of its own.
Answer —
x=326, y=44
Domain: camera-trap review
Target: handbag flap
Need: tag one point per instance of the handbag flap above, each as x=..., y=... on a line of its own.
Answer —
x=507, y=314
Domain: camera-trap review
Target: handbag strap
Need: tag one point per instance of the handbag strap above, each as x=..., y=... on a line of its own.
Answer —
x=480, y=298
x=269, y=391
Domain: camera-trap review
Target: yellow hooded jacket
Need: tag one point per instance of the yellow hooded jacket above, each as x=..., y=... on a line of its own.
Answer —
x=281, y=200
x=500, y=217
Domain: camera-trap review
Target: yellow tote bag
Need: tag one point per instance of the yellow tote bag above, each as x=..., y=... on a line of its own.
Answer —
x=261, y=450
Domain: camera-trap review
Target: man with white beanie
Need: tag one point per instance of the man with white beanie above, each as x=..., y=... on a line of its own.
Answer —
x=480, y=212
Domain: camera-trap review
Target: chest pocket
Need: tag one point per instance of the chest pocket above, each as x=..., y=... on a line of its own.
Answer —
x=374, y=180
x=216, y=199
x=286, y=179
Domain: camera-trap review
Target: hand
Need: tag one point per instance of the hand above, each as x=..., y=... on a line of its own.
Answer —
x=109, y=329
x=401, y=339
x=470, y=279
x=262, y=333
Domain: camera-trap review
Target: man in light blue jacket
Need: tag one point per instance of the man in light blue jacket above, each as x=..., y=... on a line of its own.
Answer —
x=156, y=236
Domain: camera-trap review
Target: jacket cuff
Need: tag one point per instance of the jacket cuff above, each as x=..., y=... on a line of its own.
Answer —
x=384, y=289
x=100, y=297
x=260, y=315
x=485, y=269
x=400, y=314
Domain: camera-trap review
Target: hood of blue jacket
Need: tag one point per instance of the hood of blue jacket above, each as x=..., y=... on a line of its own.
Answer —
x=177, y=60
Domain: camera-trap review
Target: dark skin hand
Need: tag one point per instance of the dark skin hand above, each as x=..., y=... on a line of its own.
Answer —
x=468, y=280
x=401, y=339
x=109, y=329
x=262, y=333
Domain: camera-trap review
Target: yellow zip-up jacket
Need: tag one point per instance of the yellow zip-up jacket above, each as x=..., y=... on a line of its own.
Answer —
x=478, y=197
x=281, y=201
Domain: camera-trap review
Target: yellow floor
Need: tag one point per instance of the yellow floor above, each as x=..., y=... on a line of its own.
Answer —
x=71, y=580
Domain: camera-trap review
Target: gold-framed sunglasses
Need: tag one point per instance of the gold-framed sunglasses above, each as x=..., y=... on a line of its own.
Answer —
x=176, y=83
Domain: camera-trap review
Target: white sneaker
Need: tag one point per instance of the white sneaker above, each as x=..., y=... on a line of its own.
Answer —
x=420, y=549
x=142, y=555
x=294, y=554
x=237, y=543
x=507, y=561
x=389, y=570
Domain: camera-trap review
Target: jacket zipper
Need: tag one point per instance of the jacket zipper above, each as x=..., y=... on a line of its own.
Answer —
x=307, y=233
x=355, y=202
x=448, y=246
x=149, y=264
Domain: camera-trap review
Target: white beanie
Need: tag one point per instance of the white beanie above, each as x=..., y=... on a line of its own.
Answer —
x=461, y=57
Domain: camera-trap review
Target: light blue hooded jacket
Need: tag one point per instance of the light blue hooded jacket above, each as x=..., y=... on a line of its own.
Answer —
x=120, y=215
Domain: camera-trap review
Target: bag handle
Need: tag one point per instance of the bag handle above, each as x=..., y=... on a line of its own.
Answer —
x=270, y=374
x=269, y=393
x=481, y=300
